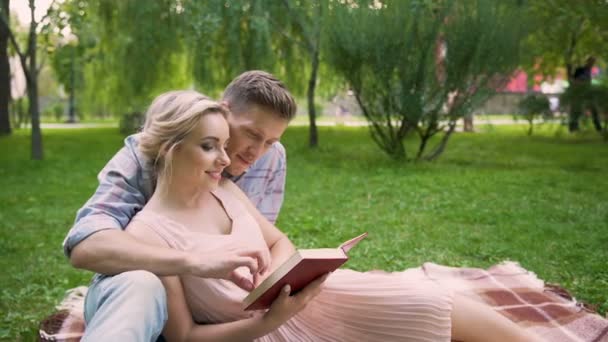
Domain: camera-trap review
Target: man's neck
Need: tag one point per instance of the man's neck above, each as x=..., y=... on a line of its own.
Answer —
x=227, y=175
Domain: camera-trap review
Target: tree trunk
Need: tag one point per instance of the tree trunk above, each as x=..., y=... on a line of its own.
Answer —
x=568, y=56
x=72, y=107
x=32, y=90
x=313, y=140
x=422, y=146
x=468, y=123
x=5, y=74
x=442, y=144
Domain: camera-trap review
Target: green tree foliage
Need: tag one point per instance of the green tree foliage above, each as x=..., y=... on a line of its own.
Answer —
x=67, y=66
x=419, y=66
x=307, y=21
x=137, y=53
x=225, y=38
x=600, y=97
x=143, y=48
x=587, y=98
x=31, y=66
x=565, y=33
x=281, y=37
x=74, y=48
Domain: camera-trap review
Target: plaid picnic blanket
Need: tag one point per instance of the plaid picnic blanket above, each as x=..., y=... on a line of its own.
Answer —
x=66, y=324
x=546, y=310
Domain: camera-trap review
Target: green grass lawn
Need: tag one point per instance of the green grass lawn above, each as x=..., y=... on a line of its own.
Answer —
x=492, y=196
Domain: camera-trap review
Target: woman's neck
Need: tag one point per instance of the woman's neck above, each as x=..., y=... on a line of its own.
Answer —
x=176, y=195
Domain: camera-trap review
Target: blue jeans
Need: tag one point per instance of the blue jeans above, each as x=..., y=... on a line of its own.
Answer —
x=131, y=306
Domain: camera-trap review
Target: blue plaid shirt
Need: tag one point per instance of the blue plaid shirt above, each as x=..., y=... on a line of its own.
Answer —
x=127, y=182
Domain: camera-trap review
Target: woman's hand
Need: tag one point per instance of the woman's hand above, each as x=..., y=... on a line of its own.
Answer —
x=259, y=278
x=222, y=263
x=286, y=306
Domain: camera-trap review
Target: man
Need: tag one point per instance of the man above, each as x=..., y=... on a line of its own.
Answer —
x=582, y=99
x=128, y=302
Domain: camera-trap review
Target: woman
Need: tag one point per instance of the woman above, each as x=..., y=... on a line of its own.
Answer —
x=194, y=208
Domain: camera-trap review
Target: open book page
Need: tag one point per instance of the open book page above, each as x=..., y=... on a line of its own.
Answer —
x=348, y=245
x=322, y=253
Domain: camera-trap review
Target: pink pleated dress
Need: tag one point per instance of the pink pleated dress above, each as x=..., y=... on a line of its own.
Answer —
x=353, y=306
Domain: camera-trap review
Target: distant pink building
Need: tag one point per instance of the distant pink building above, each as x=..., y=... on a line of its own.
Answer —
x=518, y=83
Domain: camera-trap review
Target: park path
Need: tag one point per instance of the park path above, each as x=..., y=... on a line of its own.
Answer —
x=324, y=123
x=76, y=125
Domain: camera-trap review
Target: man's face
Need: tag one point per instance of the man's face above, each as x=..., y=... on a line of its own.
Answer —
x=252, y=131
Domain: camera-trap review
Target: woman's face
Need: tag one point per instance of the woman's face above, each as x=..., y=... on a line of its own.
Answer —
x=201, y=157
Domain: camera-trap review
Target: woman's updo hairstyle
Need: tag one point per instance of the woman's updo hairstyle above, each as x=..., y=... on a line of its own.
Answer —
x=169, y=120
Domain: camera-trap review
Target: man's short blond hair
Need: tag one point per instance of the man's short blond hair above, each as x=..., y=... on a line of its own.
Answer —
x=260, y=88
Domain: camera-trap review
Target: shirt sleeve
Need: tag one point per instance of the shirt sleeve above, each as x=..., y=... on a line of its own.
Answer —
x=274, y=193
x=124, y=187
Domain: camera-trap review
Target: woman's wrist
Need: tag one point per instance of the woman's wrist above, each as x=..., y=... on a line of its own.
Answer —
x=186, y=263
x=271, y=321
x=262, y=325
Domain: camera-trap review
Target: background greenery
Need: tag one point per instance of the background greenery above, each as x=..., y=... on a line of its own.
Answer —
x=100, y=59
x=499, y=195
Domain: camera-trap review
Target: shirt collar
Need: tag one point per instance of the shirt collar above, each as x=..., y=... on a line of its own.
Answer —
x=234, y=179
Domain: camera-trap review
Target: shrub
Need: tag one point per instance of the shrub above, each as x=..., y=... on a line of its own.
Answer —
x=131, y=122
x=534, y=106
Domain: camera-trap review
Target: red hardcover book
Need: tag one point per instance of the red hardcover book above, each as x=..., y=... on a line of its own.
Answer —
x=304, y=266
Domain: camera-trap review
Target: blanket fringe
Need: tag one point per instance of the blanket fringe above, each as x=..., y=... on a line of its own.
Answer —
x=67, y=323
x=560, y=291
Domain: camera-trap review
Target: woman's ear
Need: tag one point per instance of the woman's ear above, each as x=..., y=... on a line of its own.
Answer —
x=166, y=148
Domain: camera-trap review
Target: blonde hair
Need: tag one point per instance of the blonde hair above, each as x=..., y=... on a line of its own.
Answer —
x=169, y=120
x=258, y=87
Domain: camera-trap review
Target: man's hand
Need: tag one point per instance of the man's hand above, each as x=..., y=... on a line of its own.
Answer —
x=223, y=263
